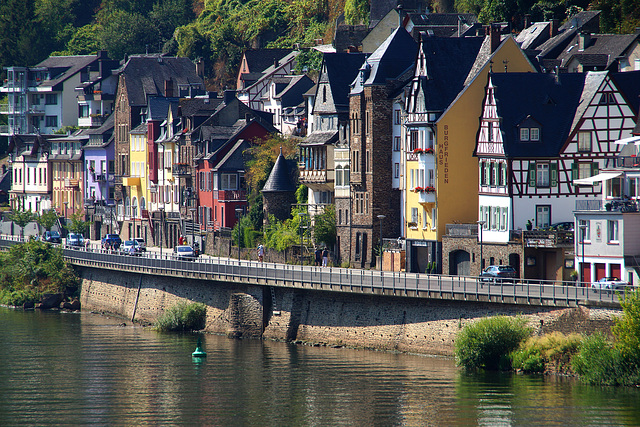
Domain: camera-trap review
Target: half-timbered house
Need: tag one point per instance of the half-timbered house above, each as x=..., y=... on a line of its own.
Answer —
x=538, y=133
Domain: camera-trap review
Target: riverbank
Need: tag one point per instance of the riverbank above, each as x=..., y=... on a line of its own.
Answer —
x=412, y=325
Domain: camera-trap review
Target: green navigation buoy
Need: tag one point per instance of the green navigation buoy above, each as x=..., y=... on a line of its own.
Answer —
x=199, y=352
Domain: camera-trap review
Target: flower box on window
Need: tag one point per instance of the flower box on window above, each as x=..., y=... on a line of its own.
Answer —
x=417, y=150
x=428, y=150
x=429, y=189
x=418, y=189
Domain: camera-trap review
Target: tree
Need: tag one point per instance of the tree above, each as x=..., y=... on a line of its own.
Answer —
x=627, y=328
x=85, y=41
x=21, y=218
x=356, y=12
x=262, y=157
x=78, y=225
x=324, y=229
x=125, y=33
x=48, y=219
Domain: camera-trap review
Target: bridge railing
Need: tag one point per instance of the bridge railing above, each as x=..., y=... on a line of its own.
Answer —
x=340, y=279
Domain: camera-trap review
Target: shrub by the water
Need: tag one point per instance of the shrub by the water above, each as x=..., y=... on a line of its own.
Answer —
x=548, y=352
x=183, y=317
x=486, y=344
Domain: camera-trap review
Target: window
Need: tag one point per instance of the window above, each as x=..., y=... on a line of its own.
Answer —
x=338, y=176
x=83, y=110
x=414, y=215
x=396, y=117
x=543, y=216
x=495, y=219
x=490, y=132
x=612, y=231
x=614, y=187
x=413, y=140
x=396, y=143
x=396, y=170
x=584, y=170
x=229, y=181
x=504, y=216
x=542, y=174
x=483, y=173
x=585, y=230
x=425, y=219
x=51, y=121
x=534, y=134
x=431, y=178
x=51, y=99
x=584, y=142
x=524, y=134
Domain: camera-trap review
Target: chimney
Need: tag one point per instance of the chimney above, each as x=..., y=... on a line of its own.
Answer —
x=168, y=88
x=400, y=15
x=527, y=20
x=553, y=27
x=276, y=63
x=229, y=95
x=200, y=68
x=583, y=41
x=494, y=34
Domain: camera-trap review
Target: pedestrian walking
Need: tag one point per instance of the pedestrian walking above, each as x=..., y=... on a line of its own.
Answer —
x=318, y=254
x=325, y=257
x=260, y=252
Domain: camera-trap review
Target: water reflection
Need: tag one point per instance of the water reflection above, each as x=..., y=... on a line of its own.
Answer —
x=87, y=369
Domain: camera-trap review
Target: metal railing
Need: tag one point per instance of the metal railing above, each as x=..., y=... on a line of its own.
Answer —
x=415, y=285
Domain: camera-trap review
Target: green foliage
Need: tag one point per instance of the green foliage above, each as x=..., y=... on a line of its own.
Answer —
x=183, y=317
x=356, y=12
x=256, y=213
x=262, y=156
x=28, y=270
x=309, y=60
x=21, y=217
x=487, y=343
x=600, y=362
x=78, y=224
x=85, y=41
x=240, y=229
x=551, y=351
x=285, y=234
x=48, y=219
x=627, y=328
x=302, y=193
x=66, y=130
x=324, y=229
x=124, y=33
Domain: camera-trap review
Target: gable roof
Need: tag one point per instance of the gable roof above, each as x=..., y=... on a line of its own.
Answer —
x=342, y=68
x=628, y=83
x=290, y=89
x=259, y=60
x=158, y=108
x=63, y=67
x=448, y=63
x=601, y=50
x=549, y=99
x=145, y=76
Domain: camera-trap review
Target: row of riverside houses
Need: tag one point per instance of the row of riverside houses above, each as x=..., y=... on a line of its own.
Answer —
x=157, y=150
x=466, y=151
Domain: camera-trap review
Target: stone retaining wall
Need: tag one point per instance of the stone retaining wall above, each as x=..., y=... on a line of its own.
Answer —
x=332, y=318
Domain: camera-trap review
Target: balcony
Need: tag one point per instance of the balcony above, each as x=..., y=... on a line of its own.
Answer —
x=611, y=205
x=316, y=176
x=627, y=162
x=425, y=194
x=461, y=230
x=181, y=169
x=547, y=238
x=71, y=183
x=131, y=181
x=231, y=195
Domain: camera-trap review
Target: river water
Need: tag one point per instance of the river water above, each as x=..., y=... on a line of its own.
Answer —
x=87, y=369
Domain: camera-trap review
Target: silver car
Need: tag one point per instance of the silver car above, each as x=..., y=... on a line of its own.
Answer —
x=610, y=283
x=184, y=252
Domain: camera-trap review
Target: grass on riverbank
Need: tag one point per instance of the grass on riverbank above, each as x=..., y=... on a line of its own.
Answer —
x=502, y=343
x=183, y=317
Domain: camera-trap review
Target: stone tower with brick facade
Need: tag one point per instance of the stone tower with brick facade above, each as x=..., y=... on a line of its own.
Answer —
x=380, y=79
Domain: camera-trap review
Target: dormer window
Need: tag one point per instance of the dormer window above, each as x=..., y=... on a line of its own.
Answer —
x=529, y=134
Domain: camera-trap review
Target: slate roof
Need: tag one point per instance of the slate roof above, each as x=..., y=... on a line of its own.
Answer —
x=442, y=19
x=588, y=20
x=393, y=58
x=585, y=21
x=342, y=68
x=551, y=100
x=280, y=178
x=233, y=160
x=62, y=67
x=259, y=60
x=601, y=50
x=198, y=106
x=629, y=84
x=448, y=61
x=321, y=138
x=158, y=108
x=145, y=76
x=290, y=89
x=536, y=34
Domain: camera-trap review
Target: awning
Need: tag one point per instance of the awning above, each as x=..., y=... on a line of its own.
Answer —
x=603, y=176
x=625, y=141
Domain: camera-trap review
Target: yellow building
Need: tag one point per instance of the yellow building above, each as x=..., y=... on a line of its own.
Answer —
x=135, y=205
x=441, y=178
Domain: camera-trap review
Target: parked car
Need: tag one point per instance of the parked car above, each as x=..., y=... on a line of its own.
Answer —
x=611, y=283
x=52, y=237
x=112, y=241
x=142, y=244
x=498, y=273
x=130, y=247
x=184, y=252
x=75, y=239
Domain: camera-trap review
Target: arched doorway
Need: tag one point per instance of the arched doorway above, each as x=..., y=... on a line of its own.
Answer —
x=459, y=263
x=514, y=261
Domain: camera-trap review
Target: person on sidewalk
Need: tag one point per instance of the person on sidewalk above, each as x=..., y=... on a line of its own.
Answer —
x=325, y=257
x=260, y=252
x=318, y=254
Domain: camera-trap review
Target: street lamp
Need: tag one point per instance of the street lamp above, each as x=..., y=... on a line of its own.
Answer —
x=583, y=235
x=301, y=231
x=65, y=211
x=238, y=215
x=481, y=223
x=161, y=227
x=381, y=217
x=110, y=217
x=134, y=208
